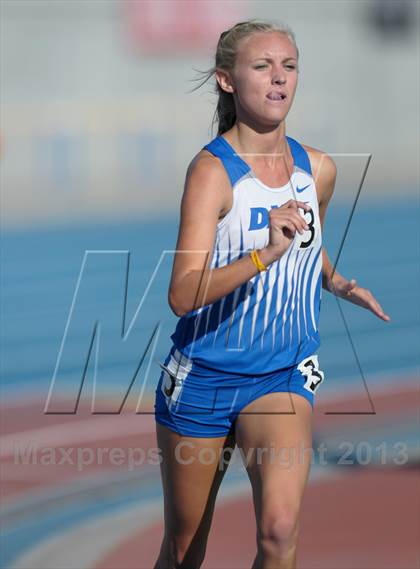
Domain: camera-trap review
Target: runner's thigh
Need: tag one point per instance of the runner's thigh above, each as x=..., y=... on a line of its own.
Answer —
x=275, y=435
x=192, y=470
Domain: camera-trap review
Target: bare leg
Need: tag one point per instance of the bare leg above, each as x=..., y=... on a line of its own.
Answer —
x=278, y=426
x=191, y=472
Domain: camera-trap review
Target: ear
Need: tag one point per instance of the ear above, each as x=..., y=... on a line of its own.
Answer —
x=224, y=80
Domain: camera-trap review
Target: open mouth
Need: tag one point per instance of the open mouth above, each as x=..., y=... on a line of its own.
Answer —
x=277, y=97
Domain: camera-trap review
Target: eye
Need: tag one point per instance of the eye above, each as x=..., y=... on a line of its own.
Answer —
x=260, y=66
x=291, y=66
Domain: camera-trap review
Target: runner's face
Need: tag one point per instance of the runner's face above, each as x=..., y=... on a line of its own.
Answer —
x=265, y=77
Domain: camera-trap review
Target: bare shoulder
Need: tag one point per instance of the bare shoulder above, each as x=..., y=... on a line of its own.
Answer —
x=206, y=174
x=324, y=171
x=321, y=162
x=207, y=165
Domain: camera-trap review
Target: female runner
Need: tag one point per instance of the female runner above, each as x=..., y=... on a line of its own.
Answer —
x=246, y=284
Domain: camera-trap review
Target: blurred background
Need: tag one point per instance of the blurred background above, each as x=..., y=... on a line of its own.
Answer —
x=97, y=128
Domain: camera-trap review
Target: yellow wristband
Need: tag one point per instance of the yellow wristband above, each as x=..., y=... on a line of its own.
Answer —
x=257, y=261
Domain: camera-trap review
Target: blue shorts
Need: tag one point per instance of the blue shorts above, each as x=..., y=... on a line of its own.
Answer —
x=199, y=402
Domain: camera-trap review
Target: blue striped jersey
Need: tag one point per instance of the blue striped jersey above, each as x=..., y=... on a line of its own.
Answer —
x=271, y=321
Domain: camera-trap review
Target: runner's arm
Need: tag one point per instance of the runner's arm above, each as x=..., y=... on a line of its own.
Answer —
x=193, y=284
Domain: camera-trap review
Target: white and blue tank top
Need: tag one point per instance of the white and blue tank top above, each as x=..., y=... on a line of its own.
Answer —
x=271, y=321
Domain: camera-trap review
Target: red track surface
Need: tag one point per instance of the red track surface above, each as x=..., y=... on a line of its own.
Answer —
x=362, y=518
x=367, y=519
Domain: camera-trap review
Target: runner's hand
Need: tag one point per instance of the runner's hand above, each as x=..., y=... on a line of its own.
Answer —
x=284, y=221
x=349, y=290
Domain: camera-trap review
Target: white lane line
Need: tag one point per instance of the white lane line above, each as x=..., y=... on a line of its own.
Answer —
x=86, y=430
x=86, y=545
x=33, y=499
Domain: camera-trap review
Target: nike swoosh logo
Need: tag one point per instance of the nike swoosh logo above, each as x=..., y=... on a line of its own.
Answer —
x=301, y=189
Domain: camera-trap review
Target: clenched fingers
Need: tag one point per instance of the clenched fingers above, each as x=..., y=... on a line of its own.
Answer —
x=288, y=217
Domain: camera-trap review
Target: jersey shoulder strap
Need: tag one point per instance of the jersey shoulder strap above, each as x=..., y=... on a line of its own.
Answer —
x=300, y=156
x=235, y=167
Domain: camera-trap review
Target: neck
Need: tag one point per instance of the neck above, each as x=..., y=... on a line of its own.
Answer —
x=266, y=148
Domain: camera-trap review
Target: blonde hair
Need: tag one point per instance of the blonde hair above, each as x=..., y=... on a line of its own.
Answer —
x=225, y=58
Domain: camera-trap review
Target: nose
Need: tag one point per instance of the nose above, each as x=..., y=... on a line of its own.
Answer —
x=279, y=76
x=279, y=79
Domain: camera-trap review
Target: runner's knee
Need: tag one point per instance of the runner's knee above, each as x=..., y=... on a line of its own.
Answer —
x=278, y=529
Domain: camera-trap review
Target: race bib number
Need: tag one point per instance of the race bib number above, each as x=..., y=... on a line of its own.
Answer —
x=310, y=236
x=309, y=367
x=174, y=375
